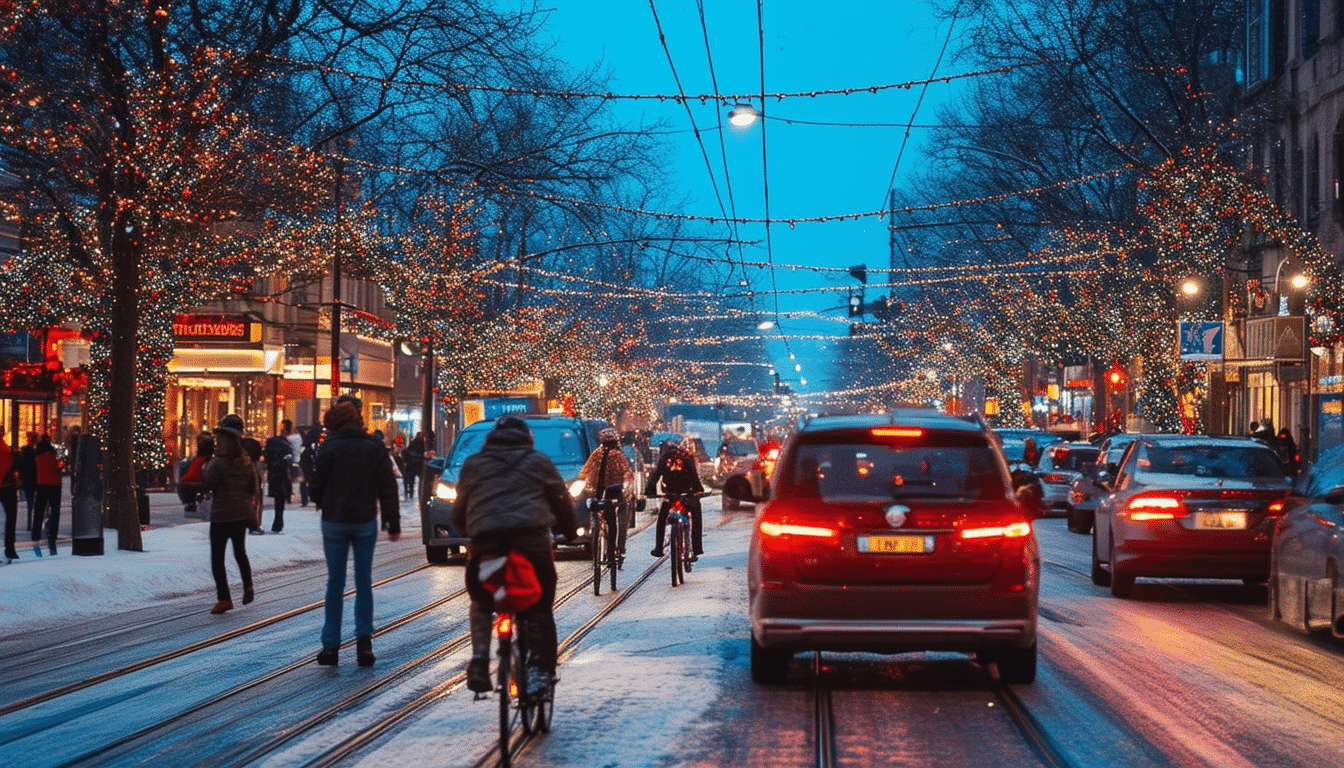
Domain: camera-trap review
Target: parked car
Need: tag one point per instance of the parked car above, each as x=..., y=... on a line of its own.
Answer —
x=749, y=478
x=1188, y=506
x=564, y=439
x=1085, y=491
x=1062, y=465
x=1305, y=584
x=889, y=534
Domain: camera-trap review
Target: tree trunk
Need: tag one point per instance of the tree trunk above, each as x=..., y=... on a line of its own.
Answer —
x=119, y=462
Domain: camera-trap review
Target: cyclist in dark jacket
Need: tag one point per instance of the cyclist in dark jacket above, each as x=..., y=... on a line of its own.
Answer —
x=677, y=471
x=510, y=496
x=352, y=480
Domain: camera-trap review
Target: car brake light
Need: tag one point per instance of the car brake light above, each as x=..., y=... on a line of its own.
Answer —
x=1010, y=531
x=791, y=529
x=1143, y=508
x=1055, y=478
x=897, y=432
x=1276, y=507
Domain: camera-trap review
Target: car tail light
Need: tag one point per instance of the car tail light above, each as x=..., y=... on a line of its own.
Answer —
x=1154, y=506
x=1015, y=530
x=1055, y=477
x=1276, y=507
x=897, y=432
x=774, y=529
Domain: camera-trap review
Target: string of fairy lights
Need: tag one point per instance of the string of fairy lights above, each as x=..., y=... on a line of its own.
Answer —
x=1188, y=204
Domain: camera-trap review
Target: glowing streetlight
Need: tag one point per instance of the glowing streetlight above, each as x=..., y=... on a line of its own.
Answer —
x=743, y=115
x=1190, y=288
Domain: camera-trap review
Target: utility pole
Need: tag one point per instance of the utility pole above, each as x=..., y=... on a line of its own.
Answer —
x=426, y=415
x=336, y=288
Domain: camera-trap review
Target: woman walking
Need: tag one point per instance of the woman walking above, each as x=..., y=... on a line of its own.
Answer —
x=352, y=479
x=9, y=495
x=235, y=503
x=47, y=503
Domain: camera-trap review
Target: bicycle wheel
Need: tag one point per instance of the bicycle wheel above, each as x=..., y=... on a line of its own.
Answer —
x=527, y=704
x=597, y=539
x=674, y=543
x=611, y=530
x=687, y=552
x=505, y=699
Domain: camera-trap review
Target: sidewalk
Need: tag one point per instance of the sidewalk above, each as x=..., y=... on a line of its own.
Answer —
x=52, y=591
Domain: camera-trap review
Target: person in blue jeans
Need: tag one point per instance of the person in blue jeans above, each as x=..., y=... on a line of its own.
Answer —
x=352, y=481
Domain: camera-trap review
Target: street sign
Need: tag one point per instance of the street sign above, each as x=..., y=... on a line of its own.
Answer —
x=1201, y=340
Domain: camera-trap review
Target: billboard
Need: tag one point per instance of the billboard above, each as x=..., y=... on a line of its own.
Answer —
x=1201, y=340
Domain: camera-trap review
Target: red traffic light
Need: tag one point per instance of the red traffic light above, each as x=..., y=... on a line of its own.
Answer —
x=1116, y=378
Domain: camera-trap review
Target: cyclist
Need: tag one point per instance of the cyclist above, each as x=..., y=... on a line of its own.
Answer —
x=677, y=470
x=606, y=472
x=510, y=496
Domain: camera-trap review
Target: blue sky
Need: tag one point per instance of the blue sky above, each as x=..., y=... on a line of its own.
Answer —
x=811, y=170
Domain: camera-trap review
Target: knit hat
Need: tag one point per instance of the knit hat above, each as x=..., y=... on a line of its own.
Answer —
x=232, y=424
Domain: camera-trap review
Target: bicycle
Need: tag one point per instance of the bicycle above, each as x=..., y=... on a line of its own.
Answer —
x=679, y=536
x=602, y=541
x=534, y=708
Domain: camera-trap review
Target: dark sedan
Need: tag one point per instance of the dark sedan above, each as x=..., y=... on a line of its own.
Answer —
x=1188, y=506
x=1305, y=586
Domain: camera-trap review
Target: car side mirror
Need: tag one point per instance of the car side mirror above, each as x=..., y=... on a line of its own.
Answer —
x=1335, y=495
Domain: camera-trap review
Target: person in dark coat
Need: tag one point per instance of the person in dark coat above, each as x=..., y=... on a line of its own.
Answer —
x=235, y=491
x=1286, y=448
x=254, y=450
x=413, y=457
x=510, y=497
x=352, y=482
x=677, y=471
x=279, y=461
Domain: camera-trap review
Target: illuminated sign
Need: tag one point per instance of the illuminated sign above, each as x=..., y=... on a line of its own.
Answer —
x=214, y=328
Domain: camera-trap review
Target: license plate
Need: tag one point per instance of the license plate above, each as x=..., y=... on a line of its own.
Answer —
x=1226, y=519
x=900, y=545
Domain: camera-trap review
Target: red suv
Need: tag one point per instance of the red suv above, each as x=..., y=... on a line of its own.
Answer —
x=893, y=533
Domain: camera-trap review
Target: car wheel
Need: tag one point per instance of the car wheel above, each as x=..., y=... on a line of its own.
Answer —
x=1275, y=614
x=436, y=553
x=1336, y=603
x=1122, y=584
x=1100, y=576
x=729, y=503
x=1016, y=665
x=769, y=666
x=1079, y=521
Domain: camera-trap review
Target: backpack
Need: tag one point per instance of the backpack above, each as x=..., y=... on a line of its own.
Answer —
x=512, y=580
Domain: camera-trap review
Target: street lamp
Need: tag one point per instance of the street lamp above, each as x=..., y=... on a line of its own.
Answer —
x=1190, y=288
x=1298, y=281
x=743, y=115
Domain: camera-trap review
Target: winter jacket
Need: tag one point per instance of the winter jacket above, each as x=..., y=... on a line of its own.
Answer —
x=678, y=472
x=509, y=486
x=48, y=465
x=279, y=458
x=233, y=484
x=9, y=469
x=352, y=480
x=617, y=470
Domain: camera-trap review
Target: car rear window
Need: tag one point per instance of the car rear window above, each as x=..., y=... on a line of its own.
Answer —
x=953, y=466
x=1074, y=458
x=1209, y=461
x=562, y=444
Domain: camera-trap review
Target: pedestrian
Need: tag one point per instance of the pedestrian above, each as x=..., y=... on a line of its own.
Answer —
x=311, y=440
x=1286, y=449
x=510, y=497
x=235, y=493
x=191, y=485
x=352, y=481
x=9, y=495
x=1265, y=433
x=47, y=506
x=1255, y=427
x=72, y=438
x=252, y=447
x=28, y=474
x=296, y=477
x=279, y=462
x=414, y=459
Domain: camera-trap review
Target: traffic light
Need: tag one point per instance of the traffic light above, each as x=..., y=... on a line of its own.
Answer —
x=856, y=304
x=859, y=272
x=1115, y=377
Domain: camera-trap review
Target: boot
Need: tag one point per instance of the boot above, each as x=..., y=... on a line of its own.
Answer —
x=478, y=675
x=222, y=606
x=327, y=657
x=364, y=651
x=248, y=595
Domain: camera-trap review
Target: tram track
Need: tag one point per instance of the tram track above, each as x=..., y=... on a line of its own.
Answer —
x=180, y=652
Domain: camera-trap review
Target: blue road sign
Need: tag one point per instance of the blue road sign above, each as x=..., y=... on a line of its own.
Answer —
x=1201, y=340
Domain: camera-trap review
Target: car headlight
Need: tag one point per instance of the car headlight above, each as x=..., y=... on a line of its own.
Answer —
x=576, y=488
x=581, y=532
x=445, y=492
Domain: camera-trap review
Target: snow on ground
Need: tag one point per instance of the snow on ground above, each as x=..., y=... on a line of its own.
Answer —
x=176, y=561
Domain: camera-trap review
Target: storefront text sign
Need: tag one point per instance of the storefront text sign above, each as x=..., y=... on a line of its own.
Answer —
x=212, y=328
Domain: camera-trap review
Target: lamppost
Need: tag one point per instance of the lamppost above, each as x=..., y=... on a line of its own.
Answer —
x=1298, y=281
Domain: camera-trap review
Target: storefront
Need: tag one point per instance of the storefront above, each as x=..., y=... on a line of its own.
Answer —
x=42, y=383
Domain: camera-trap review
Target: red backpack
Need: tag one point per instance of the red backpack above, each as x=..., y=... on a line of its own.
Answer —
x=512, y=580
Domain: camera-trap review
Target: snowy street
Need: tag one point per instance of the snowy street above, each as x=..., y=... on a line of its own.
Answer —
x=1187, y=673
